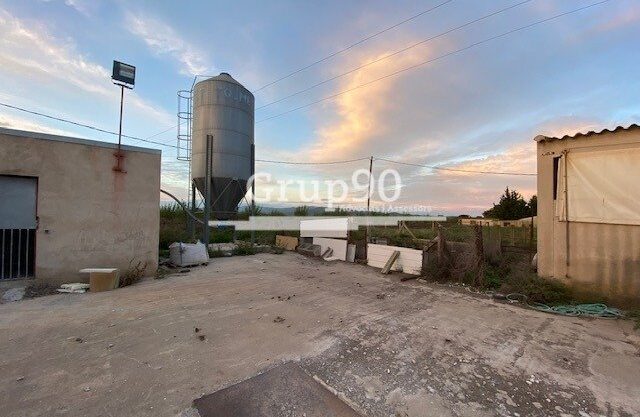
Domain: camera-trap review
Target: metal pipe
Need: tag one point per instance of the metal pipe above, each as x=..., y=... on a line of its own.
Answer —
x=192, y=225
x=4, y=232
x=11, y=255
x=118, y=167
x=566, y=211
x=19, y=250
x=26, y=268
x=120, y=127
x=190, y=214
x=207, y=188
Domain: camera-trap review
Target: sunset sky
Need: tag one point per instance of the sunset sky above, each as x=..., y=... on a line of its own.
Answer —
x=478, y=109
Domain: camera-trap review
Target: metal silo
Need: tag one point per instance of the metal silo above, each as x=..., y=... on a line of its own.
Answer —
x=223, y=109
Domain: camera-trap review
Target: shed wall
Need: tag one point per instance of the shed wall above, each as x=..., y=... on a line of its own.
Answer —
x=604, y=259
x=89, y=215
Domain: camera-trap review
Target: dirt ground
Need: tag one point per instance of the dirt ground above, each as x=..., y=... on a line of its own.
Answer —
x=388, y=348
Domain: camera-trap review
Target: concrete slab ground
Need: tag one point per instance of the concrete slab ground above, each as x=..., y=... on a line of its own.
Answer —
x=282, y=391
x=388, y=348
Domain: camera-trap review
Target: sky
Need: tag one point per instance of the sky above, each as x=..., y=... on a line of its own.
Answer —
x=472, y=106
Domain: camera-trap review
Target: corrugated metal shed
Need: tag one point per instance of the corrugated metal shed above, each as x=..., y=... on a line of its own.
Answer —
x=542, y=138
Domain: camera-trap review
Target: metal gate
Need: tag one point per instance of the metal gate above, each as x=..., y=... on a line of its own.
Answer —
x=18, y=196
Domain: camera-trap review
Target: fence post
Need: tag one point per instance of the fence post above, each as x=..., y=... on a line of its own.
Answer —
x=531, y=244
x=479, y=246
x=444, y=257
x=441, y=243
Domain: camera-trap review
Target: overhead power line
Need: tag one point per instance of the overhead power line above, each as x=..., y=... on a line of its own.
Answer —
x=345, y=161
x=440, y=168
x=312, y=163
x=389, y=55
x=361, y=41
x=165, y=131
x=60, y=119
x=457, y=51
x=434, y=167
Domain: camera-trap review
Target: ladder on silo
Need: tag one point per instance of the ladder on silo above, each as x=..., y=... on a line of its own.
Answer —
x=185, y=117
x=184, y=136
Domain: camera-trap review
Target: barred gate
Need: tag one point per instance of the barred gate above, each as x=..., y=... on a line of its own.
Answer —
x=17, y=253
x=18, y=197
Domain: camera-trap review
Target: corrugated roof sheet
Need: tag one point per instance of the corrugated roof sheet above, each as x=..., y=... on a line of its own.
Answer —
x=541, y=138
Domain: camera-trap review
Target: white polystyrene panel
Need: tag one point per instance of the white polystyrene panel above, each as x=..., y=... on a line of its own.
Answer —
x=324, y=227
x=339, y=246
x=409, y=261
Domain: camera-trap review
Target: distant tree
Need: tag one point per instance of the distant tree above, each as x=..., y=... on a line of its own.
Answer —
x=336, y=212
x=510, y=207
x=301, y=211
x=246, y=212
x=533, y=205
x=464, y=216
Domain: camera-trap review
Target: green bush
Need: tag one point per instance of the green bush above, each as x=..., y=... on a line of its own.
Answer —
x=537, y=289
x=168, y=235
x=301, y=211
x=493, y=277
x=216, y=253
x=512, y=274
x=172, y=211
x=277, y=250
x=221, y=235
x=243, y=249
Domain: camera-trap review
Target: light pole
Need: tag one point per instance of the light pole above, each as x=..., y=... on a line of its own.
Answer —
x=124, y=75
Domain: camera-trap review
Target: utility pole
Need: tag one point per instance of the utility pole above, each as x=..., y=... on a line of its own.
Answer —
x=366, y=230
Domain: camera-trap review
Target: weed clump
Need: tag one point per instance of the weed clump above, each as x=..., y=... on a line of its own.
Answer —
x=506, y=274
x=537, y=289
x=243, y=249
x=635, y=316
x=277, y=250
x=133, y=274
x=39, y=290
x=216, y=253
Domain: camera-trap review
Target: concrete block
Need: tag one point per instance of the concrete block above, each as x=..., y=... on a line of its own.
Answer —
x=13, y=294
x=286, y=242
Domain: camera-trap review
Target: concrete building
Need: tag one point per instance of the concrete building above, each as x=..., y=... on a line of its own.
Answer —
x=495, y=222
x=589, y=212
x=64, y=208
x=481, y=221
